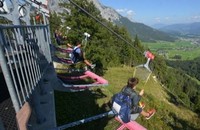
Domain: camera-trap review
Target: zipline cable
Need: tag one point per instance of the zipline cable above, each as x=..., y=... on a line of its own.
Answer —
x=119, y=36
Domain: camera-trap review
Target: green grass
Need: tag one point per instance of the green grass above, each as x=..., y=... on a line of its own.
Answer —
x=75, y=106
x=185, y=49
x=186, y=54
x=169, y=45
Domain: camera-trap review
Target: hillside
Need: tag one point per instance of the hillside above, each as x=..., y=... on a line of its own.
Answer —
x=190, y=29
x=191, y=67
x=144, y=32
x=169, y=115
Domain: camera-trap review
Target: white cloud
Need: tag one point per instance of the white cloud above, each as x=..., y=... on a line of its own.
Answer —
x=130, y=14
x=127, y=13
x=196, y=17
x=158, y=19
x=121, y=10
x=167, y=18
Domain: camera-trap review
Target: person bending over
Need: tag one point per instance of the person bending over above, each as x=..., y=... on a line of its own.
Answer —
x=135, y=98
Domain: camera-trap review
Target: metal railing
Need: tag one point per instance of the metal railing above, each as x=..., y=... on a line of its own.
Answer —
x=24, y=56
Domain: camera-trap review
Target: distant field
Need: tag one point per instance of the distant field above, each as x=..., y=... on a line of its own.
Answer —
x=185, y=49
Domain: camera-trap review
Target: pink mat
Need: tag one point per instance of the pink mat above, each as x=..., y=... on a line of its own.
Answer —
x=132, y=125
x=64, y=60
x=73, y=77
x=99, y=79
x=68, y=50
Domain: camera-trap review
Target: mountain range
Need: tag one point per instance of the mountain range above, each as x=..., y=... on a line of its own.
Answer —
x=189, y=29
x=145, y=33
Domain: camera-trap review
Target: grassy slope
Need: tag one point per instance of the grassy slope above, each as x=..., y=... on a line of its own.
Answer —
x=74, y=106
x=156, y=97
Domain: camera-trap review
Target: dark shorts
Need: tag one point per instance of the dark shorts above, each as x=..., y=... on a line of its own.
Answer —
x=59, y=42
x=136, y=110
x=79, y=59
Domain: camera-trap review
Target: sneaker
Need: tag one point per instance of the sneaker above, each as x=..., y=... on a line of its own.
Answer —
x=142, y=105
x=92, y=66
x=151, y=113
x=85, y=68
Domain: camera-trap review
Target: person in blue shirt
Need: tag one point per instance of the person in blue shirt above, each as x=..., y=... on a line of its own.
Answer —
x=78, y=55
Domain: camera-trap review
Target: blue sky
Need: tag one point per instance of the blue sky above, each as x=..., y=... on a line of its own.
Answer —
x=152, y=12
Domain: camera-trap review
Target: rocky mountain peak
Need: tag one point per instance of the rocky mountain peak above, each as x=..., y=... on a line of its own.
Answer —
x=106, y=12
